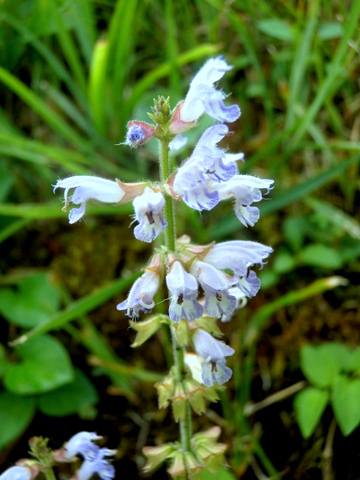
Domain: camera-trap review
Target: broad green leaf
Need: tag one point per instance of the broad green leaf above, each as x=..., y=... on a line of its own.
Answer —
x=338, y=352
x=74, y=397
x=330, y=30
x=277, y=28
x=319, y=368
x=309, y=406
x=354, y=361
x=284, y=262
x=16, y=414
x=320, y=256
x=36, y=299
x=346, y=404
x=44, y=366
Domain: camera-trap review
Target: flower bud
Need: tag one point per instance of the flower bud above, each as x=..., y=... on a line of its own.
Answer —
x=138, y=133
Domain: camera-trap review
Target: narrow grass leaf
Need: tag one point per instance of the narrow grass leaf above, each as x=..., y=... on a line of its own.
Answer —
x=263, y=314
x=97, y=85
x=79, y=308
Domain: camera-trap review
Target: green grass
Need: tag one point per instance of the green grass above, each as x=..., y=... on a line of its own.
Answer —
x=73, y=73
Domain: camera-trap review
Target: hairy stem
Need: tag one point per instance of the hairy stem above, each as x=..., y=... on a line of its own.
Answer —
x=170, y=236
x=169, y=211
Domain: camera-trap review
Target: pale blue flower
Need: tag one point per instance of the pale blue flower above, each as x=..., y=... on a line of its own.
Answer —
x=149, y=212
x=238, y=256
x=246, y=190
x=16, y=473
x=196, y=181
x=98, y=464
x=215, y=285
x=141, y=295
x=82, y=443
x=213, y=353
x=88, y=188
x=203, y=97
x=184, y=289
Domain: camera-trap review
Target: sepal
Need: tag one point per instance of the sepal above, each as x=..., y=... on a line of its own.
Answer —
x=156, y=456
x=179, y=402
x=147, y=328
x=182, y=332
x=165, y=389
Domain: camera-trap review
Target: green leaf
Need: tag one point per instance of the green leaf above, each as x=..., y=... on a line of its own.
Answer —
x=45, y=366
x=79, y=308
x=354, y=361
x=277, y=28
x=330, y=30
x=319, y=368
x=320, y=256
x=221, y=474
x=36, y=300
x=284, y=262
x=346, y=404
x=309, y=406
x=338, y=352
x=16, y=414
x=74, y=397
x=295, y=231
x=4, y=362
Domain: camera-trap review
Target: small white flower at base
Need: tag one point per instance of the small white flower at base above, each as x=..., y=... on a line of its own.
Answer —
x=16, y=473
x=88, y=188
x=213, y=352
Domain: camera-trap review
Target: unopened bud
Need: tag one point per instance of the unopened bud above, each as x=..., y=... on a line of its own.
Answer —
x=138, y=133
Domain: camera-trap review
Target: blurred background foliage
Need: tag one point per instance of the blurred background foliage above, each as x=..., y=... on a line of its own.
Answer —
x=72, y=74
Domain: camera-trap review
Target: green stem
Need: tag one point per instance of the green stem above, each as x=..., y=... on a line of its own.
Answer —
x=170, y=236
x=169, y=211
x=49, y=474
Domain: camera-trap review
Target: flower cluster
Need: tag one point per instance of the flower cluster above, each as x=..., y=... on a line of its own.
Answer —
x=202, y=281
